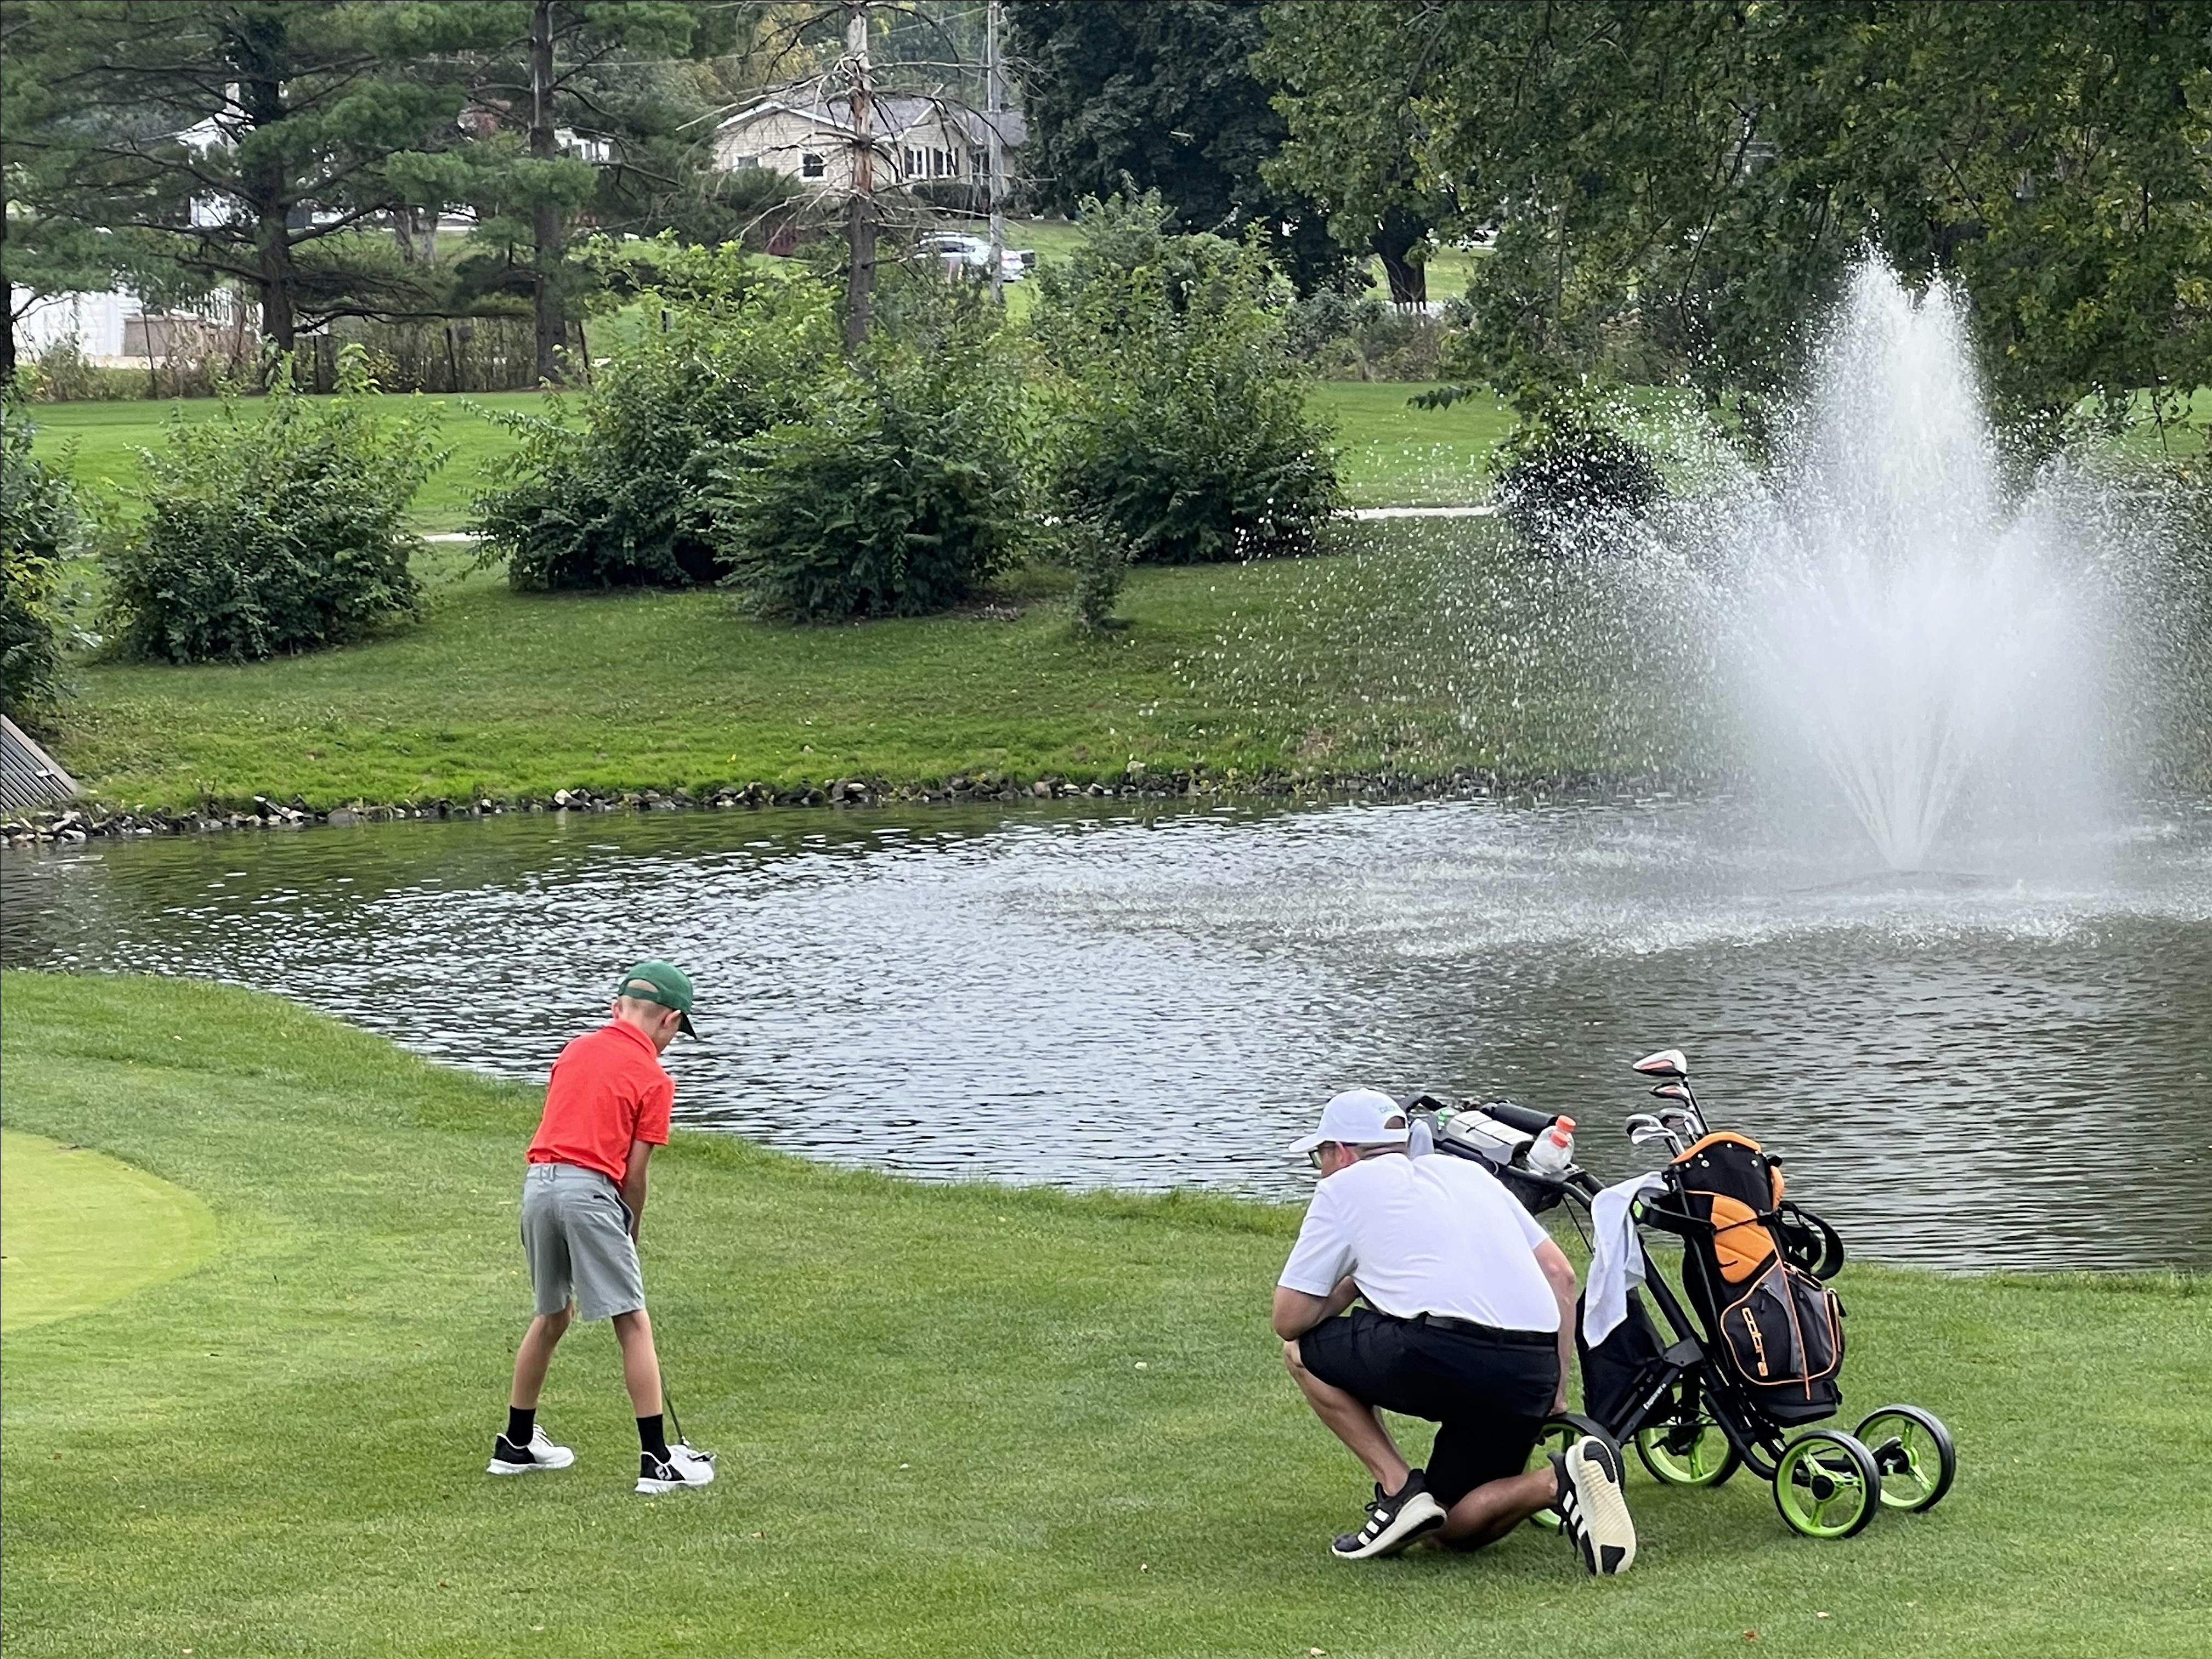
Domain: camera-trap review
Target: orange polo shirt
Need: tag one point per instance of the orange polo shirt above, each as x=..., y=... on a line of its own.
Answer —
x=608, y=1089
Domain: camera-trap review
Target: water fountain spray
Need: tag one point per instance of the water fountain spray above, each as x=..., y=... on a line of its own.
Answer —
x=1902, y=620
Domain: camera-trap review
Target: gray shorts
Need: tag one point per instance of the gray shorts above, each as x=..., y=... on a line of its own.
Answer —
x=575, y=1231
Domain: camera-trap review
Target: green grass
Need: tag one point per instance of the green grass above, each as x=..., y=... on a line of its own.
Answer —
x=935, y=1435
x=1416, y=651
x=80, y=1231
x=1393, y=455
x=1449, y=268
x=103, y=438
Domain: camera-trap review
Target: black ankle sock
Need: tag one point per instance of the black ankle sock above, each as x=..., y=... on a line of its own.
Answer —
x=651, y=1435
x=520, y=1424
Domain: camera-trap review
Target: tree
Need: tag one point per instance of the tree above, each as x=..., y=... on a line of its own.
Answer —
x=580, y=115
x=1121, y=93
x=249, y=140
x=1351, y=82
x=1693, y=177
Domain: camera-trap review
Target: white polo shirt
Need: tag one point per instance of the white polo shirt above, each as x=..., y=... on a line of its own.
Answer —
x=1435, y=1235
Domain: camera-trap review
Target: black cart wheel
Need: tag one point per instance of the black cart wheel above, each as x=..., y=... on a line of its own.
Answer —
x=1825, y=1484
x=1913, y=1450
x=1684, y=1445
x=1558, y=1432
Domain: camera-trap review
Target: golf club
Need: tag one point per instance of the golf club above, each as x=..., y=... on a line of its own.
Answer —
x=668, y=1404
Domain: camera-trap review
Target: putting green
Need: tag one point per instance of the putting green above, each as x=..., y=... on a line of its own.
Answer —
x=79, y=1229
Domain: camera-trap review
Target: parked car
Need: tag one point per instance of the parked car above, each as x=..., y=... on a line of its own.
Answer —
x=958, y=250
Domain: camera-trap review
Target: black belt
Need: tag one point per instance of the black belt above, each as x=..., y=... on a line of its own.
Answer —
x=1486, y=1333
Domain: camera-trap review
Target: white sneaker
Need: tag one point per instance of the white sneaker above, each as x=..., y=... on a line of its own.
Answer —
x=1394, y=1521
x=508, y=1458
x=1593, y=1508
x=681, y=1468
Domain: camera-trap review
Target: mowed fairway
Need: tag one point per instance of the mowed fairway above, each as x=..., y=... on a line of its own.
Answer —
x=951, y=1420
x=79, y=1231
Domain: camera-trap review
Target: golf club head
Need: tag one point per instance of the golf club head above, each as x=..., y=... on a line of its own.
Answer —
x=1672, y=1091
x=1641, y=1126
x=1665, y=1063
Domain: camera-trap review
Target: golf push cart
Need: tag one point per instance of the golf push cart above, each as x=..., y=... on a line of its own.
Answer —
x=1737, y=1386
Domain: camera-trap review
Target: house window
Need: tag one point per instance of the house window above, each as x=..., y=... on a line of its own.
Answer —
x=979, y=161
x=914, y=164
x=811, y=165
x=741, y=162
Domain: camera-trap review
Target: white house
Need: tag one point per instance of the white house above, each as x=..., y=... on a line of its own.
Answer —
x=914, y=139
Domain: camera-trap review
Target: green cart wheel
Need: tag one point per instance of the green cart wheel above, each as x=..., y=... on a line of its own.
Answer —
x=1913, y=1450
x=1685, y=1446
x=1825, y=1484
x=1558, y=1434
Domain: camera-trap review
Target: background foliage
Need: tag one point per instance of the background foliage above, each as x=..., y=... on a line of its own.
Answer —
x=1673, y=189
x=1126, y=96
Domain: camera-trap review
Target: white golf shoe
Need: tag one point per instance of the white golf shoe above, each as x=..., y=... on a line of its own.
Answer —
x=681, y=1468
x=508, y=1458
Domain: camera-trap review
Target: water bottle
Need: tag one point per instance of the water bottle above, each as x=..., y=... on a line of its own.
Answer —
x=1553, y=1150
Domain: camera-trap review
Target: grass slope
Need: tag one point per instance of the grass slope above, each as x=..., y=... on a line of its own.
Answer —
x=80, y=1231
x=1424, y=647
x=935, y=1435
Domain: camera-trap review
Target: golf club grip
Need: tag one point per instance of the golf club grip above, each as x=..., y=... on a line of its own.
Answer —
x=1526, y=1118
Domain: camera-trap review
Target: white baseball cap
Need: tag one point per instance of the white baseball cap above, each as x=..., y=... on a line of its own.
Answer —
x=1358, y=1117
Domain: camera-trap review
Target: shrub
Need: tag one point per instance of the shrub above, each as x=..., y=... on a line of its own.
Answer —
x=1567, y=483
x=1100, y=560
x=1181, y=421
x=899, y=489
x=196, y=366
x=620, y=499
x=273, y=532
x=39, y=524
x=1343, y=338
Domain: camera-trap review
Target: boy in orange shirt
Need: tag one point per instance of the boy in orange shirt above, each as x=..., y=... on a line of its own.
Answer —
x=583, y=1196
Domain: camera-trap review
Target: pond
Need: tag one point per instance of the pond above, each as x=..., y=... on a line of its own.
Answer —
x=2007, y=1067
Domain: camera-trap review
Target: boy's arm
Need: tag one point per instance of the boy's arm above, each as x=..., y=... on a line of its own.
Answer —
x=633, y=1182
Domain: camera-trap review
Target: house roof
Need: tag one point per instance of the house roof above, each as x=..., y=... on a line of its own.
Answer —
x=893, y=113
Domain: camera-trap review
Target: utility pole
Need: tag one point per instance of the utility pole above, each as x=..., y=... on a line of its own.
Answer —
x=546, y=212
x=994, y=105
x=860, y=211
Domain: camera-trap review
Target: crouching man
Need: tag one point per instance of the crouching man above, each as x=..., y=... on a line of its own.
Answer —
x=1468, y=1322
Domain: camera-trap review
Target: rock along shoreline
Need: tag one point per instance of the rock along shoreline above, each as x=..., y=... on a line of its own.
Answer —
x=87, y=821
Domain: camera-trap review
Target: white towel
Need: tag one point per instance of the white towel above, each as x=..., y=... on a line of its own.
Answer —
x=1420, y=1139
x=1616, y=1254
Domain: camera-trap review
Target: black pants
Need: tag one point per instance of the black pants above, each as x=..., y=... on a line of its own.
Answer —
x=1488, y=1397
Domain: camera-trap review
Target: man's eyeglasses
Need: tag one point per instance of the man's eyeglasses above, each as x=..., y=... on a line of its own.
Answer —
x=1314, y=1156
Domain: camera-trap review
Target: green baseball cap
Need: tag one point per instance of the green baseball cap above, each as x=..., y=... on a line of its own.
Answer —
x=663, y=983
